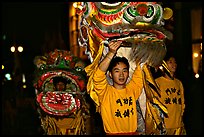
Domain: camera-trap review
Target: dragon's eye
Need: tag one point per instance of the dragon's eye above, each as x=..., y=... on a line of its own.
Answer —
x=79, y=69
x=150, y=11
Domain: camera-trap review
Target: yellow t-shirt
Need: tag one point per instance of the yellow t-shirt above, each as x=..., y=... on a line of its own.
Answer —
x=118, y=107
x=172, y=95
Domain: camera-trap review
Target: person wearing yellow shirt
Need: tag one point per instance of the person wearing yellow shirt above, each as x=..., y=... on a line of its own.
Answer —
x=117, y=102
x=172, y=95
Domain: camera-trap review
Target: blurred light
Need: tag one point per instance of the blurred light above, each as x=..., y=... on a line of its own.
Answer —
x=8, y=76
x=36, y=91
x=195, y=55
x=4, y=37
x=197, y=75
x=2, y=66
x=160, y=67
x=23, y=78
x=20, y=49
x=77, y=5
x=24, y=86
x=12, y=49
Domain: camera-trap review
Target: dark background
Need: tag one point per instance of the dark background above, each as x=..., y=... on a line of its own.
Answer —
x=33, y=25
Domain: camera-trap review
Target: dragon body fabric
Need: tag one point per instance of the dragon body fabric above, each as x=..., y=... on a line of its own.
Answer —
x=61, y=112
x=140, y=26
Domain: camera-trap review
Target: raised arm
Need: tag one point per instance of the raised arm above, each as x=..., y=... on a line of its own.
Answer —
x=113, y=46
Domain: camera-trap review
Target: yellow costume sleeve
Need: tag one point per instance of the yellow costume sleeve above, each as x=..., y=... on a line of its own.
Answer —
x=136, y=81
x=90, y=69
x=152, y=118
x=182, y=97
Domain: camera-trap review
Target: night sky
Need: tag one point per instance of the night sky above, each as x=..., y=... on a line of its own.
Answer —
x=25, y=23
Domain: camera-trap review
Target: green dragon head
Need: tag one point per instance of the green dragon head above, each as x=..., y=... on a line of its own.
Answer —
x=59, y=63
x=138, y=24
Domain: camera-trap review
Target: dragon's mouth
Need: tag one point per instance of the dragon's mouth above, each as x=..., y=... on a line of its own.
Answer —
x=58, y=103
x=132, y=37
x=124, y=35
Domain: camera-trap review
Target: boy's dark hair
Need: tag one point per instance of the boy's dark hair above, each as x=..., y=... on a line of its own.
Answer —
x=168, y=56
x=59, y=79
x=116, y=60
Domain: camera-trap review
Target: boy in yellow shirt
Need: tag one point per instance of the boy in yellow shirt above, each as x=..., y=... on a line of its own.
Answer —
x=117, y=102
x=172, y=95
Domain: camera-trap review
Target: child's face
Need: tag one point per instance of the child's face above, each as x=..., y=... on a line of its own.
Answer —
x=120, y=74
x=60, y=86
x=172, y=65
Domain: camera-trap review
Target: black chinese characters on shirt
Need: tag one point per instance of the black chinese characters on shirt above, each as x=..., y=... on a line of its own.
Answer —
x=127, y=112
